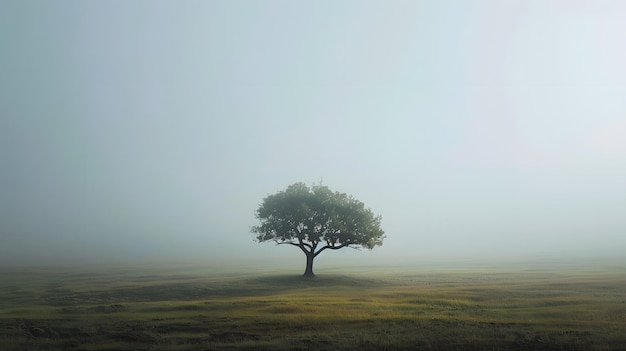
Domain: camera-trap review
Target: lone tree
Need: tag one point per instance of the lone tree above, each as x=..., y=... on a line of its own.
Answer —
x=316, y=219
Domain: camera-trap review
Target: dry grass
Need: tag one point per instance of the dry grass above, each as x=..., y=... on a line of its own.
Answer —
x=140, y=309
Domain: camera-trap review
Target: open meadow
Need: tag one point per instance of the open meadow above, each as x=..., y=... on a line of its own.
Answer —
x=388, y=308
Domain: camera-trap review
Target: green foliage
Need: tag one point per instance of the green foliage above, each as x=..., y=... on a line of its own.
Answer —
x=316, y=218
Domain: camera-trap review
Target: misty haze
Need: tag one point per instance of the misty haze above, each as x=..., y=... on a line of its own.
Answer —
x=450, y=175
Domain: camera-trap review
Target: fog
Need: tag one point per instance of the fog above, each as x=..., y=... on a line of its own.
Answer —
x=138, y=130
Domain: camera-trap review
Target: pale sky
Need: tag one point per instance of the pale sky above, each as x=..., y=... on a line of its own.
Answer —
x=139, y=129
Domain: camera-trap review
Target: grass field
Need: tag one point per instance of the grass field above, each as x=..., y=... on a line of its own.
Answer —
x=206, y=308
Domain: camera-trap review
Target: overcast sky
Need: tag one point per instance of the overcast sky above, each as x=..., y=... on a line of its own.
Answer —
x=138, y=129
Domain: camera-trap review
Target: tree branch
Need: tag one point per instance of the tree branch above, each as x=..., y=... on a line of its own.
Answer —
x=286, y=242
x=335, y=247
x=302, y=245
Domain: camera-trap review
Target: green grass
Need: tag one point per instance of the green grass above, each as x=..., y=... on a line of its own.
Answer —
x=185, y=308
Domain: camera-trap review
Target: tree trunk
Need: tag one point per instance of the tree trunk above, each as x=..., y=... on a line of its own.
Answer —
x=308, y=272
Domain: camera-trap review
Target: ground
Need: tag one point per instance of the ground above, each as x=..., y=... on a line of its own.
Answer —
x=175, y=307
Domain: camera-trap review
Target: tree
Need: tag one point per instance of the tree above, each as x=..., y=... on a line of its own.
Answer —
x=316, y=219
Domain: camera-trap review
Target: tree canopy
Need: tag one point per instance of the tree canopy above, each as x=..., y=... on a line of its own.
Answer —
x=316, y=219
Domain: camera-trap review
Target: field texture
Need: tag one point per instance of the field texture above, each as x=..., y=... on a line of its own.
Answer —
x=134, y=308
